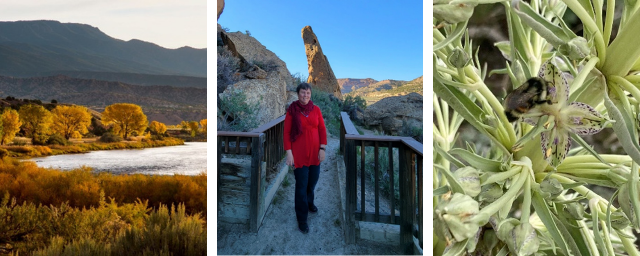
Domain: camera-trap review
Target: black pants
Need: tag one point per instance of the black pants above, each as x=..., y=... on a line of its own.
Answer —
x=306, y=180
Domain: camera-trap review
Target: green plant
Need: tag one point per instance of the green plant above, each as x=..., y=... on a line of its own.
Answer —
x=235, y=114
x=528, y=194
x=57, y=139
x=330, y=107
x=110, y=137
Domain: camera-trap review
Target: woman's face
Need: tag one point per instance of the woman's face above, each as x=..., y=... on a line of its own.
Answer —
x=304, y=95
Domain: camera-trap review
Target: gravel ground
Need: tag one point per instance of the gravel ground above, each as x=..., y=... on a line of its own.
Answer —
x=279, y=232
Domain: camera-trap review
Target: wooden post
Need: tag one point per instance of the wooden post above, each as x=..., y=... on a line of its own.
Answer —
x=351, y=184
x=256, y=172
x=342, y=132
x=421, y=211
x=376, y=169
x=362, y=180
x=219, y=145
x=407, y=200
x=391, y=184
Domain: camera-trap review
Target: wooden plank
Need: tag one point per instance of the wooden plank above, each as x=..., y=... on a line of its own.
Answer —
x=351, y=165
x=391, y=184
x=226, y=145
x=373, y=138
x=219, y=146
x=413, y=144
x=376, y=169
x=371, y=217
x=348, y=125
x=407, y=199
x=256, y=164
x=342, y=133
x=268, y=125
x=237, y=145
x=362, y=177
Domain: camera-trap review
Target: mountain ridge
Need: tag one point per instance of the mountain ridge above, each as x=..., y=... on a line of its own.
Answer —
x=31, y=47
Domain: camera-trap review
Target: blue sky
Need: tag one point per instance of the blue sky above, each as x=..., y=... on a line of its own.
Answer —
x=361, y=39
x=168, y=23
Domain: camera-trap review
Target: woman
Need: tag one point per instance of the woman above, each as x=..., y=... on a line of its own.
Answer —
x=305, y=140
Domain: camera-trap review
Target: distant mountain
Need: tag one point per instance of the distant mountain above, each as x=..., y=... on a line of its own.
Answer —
x=166, y=104
x=387, y=88
x=38, y=48
x=349, y=84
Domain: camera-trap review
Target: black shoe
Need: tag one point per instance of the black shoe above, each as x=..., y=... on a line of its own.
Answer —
x=304, y=228
x=313, y=209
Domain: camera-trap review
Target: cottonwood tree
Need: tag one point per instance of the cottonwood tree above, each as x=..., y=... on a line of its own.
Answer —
x=10, y=125
x=36, y=122
x=126, y=118
x=67, y=120
x=193, y=126
x=203, y=123
x=157, y=128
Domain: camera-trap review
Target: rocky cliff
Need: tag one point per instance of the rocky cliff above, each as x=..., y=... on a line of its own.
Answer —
x=390, y=113
x=320, y=72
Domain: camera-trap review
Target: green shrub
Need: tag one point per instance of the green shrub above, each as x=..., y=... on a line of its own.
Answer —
x=20, y=142
x=235, y=114
x=110, y=137
x=330, y=107
x=57, y=139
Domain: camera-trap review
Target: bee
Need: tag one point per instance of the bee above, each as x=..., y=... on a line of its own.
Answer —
x=530, y=94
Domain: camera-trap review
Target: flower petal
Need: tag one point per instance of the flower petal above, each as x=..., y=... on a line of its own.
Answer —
x=582, y=119
x=558, y=86
x=555, y=145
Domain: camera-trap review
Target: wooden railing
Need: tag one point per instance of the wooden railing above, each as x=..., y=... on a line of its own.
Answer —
x=265, y=145
x=410, y=183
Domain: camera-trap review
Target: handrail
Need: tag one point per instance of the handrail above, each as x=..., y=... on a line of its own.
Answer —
x=238, y=134
x=348, y=127
x=268, y=125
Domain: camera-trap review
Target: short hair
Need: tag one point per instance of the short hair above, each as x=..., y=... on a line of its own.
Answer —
x=303, y=86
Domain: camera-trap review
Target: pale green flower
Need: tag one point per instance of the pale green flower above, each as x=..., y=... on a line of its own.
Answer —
x=574, y=117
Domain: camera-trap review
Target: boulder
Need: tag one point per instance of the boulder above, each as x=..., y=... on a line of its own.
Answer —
x=320, y=72
x=389, y=113
x=268, y=93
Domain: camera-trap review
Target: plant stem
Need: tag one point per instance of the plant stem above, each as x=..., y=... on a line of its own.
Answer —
x=526, y=202
x=629, y=247
x=513, y=192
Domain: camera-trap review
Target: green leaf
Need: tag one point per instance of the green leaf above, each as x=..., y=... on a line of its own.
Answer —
x=588, y=147
x=596, y=233
x=572, y=239
x=441, y=190
x=453, y=182
x=447, y=156
x=551, y=32
x=484, y=164
x=623, y=127
x=465, y=108
x=454, y=36
x=456, y=249
x=547, y=218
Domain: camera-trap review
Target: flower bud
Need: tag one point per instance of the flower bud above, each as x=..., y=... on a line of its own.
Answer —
x=575, y=210
x=551, y=188
x=576, y=49
x=490, y=193
x=469, y=179
x=522, y=238
x=459, y=58
x=443, y=10
x=455, y=217
x=619, y=220
x=624, y=199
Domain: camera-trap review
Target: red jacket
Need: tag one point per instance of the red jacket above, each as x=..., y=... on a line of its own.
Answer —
x=305, y=148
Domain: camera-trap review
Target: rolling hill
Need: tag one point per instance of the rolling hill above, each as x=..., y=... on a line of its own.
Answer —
x=387, y=88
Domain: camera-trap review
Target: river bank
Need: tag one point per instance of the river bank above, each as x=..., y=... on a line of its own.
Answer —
x=28, y=151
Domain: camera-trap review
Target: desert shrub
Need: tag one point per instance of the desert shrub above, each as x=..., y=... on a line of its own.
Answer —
x=57, y=139
x=411, y=129
x=235, y=114
x=227, y=66
x=330, y=107
x=20, y=141
x=299, y=78
x=110, y=137
x=268, y=65
x=40, y=139
x=352, y=105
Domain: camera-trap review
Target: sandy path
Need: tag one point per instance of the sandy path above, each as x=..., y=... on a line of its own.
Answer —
x=279, y=232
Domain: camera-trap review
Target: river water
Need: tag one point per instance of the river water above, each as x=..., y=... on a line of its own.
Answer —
x=187, y=159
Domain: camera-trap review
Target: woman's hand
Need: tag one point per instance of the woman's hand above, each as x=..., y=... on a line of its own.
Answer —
x=321, y=155
x=289, y=158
